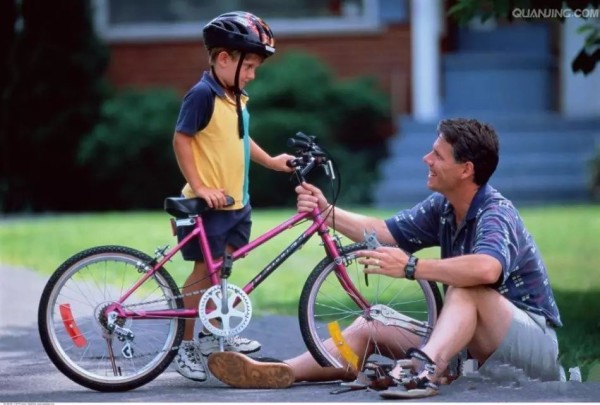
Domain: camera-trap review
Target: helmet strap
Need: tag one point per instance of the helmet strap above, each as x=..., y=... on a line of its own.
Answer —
x=238, y=95
x=236, y=91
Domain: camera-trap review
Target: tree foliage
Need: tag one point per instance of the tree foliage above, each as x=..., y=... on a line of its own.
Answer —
x=464, y=11
x=51, y=97
x=351, y=118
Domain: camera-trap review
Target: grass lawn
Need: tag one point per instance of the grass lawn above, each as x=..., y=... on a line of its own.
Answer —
x=569, y=238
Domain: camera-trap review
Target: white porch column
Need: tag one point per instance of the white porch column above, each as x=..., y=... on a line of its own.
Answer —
x=580, y=94
x=425, y=20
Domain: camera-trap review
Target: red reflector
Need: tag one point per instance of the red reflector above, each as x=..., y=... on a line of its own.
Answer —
x=71, y=326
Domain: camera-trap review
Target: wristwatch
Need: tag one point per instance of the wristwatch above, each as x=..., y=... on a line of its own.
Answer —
x=411, y=266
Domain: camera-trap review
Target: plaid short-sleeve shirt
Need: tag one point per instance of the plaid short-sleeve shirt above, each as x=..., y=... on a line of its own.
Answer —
x=492, y=226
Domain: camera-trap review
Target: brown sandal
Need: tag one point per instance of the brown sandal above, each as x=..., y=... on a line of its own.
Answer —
x=240, y=371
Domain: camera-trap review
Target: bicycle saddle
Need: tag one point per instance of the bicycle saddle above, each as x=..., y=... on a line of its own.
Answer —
x=181, y=207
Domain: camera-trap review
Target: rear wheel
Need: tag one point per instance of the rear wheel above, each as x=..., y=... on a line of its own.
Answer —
x=82, y=341
x=400, y=312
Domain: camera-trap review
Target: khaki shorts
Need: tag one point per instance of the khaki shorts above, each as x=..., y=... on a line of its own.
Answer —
x=530, y=345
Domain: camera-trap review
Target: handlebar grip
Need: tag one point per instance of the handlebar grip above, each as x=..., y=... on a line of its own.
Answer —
x=305, y=137
x=294, y=143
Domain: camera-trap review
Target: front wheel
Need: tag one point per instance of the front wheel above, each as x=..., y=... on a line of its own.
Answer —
x=82, y=341
x=381, y=316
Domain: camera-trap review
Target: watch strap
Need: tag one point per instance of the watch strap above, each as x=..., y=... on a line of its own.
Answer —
x=411, y=267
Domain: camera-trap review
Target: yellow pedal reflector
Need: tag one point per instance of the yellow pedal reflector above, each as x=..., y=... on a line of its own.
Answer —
x=341, y=344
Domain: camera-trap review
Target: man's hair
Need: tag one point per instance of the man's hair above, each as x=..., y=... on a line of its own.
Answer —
x=472, y=141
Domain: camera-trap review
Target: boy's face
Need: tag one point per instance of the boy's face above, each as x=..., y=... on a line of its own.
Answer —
x=227, y=65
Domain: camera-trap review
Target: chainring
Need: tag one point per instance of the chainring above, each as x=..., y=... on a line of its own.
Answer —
x=223, y=319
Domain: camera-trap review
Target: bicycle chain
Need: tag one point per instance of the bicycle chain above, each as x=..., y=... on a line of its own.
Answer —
x=166, y=299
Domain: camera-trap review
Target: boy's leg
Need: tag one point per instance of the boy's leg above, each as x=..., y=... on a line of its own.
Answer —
x=188, y=360
x=197, y=280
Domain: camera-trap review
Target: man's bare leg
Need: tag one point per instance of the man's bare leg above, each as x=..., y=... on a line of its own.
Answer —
x=477, y=318
x=361, y=337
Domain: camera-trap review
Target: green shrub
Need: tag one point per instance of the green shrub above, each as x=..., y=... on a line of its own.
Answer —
x=129, y=157
x=129, y=154
x=351, y=118
x=51, y=92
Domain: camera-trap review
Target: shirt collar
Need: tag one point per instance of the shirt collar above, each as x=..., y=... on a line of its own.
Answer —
x=478, y=201
x=476, y=204
x=215, y=86
x=212, y=83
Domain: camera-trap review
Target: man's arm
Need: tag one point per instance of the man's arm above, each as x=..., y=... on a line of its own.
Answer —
x=461, y=271
x=348, y=223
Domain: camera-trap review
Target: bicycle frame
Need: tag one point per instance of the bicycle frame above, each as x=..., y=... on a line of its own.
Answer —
x=318, y=226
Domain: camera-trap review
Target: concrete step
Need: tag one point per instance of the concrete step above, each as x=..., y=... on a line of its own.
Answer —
x=506, y=122
x=524, y=38
x=544, y=158
x=568, y=141
x=529, y=190
x=518, y=164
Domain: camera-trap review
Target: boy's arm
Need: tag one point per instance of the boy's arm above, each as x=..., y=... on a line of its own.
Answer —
x=258, y=155
x=182, y=145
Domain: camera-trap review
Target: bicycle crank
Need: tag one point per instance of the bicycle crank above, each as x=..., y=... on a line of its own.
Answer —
x=225, y=317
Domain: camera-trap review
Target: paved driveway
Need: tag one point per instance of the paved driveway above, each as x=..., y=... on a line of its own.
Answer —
x=27, y=375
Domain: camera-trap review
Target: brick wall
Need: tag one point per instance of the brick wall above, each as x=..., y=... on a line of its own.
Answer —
x=384, y=55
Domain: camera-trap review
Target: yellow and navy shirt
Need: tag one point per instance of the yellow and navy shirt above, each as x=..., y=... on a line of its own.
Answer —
x=222, y=159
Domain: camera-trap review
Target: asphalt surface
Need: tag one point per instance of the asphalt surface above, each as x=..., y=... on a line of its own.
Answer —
x=27, y=375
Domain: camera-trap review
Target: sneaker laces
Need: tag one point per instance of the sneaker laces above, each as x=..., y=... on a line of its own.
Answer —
x=191, y=354
x=237, y=339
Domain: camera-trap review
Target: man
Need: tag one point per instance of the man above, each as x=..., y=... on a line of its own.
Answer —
x=499, y=304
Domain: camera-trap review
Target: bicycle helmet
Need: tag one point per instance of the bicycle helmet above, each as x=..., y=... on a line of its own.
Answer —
x=241, y=31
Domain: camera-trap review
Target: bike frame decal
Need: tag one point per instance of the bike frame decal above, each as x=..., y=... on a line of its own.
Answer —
x=72, y=329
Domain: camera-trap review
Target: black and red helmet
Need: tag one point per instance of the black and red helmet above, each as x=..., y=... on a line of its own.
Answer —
x=240, y=31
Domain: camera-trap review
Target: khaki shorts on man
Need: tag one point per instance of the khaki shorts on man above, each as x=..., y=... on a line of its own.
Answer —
x=530, y=345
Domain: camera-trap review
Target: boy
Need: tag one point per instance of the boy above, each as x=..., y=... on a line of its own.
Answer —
x=213, y=151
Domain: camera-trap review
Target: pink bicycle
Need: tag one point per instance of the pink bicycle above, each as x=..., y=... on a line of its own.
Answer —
x=111, y=318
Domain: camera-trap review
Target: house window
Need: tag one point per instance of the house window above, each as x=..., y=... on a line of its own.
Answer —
x=168, y=19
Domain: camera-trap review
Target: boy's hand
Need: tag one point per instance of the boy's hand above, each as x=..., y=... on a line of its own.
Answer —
x=279, y=163
x=214, y=197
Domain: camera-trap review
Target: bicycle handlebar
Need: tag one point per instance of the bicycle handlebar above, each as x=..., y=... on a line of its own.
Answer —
x=310, y=156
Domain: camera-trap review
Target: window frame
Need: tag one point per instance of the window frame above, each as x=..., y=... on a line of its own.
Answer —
x=368, y=22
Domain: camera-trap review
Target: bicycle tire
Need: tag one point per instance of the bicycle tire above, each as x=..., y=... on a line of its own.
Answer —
x=73, y=329
x=324, y=300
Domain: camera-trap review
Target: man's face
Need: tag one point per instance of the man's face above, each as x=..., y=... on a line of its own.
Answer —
x=444, y=173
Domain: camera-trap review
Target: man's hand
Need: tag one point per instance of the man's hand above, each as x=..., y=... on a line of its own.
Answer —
x=310, y=197
x=386, y=260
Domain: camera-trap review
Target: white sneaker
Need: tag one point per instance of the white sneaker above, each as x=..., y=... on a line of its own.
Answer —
x=208, y=344
x=188, y=361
